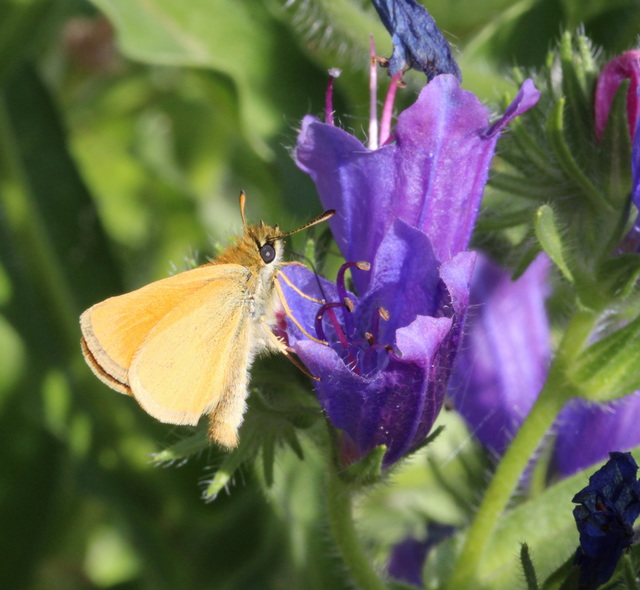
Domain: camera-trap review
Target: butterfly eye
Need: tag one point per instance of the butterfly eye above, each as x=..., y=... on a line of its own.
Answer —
x=267, y=253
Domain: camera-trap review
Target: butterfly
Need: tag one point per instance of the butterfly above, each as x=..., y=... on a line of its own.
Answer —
x=183, y=346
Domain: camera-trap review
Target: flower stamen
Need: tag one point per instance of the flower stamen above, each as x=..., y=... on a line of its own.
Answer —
x=328, y=100
x=387, y=110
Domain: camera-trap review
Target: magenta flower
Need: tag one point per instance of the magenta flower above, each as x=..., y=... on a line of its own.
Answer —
x=625, y=66
x=408, y=208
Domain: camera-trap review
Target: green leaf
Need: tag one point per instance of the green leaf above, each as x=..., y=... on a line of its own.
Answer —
x=565, y=577
x=614, y=152
x=608, y=369
x=545, y=523
x=49, y=213
x=23, y=27
x=527, y=567
x=182, y=450
x=567, y=161
x=237, y=39
x=550, y=237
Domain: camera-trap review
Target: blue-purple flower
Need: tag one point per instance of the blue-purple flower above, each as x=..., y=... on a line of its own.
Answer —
x=503, y=363
x=407, y=208
x=606, y=511
x=407, y=557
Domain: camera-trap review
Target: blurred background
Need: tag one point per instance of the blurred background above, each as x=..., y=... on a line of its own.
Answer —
x=127, y=130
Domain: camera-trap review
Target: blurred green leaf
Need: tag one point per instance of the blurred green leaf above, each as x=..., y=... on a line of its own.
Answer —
x=48, y=209
x=550, y=237
x=545, y=523
x=238, y=39
x=607, y=369
x=22, y=28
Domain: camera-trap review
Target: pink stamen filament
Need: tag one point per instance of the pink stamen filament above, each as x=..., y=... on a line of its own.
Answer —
x=378, y=314
x=328, y=100
x=387, y=110
x=373, y=96
x=328, y=309
x=342, y=291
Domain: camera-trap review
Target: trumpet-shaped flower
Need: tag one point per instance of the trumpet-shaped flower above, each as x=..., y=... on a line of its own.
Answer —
x=503, y=365
x=408, y=208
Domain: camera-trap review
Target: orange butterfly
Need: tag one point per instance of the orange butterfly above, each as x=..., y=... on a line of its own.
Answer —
x=182, y=346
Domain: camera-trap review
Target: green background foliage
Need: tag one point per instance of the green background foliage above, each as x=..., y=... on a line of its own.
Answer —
x=122, y=152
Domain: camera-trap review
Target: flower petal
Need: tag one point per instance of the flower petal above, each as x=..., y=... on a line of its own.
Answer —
x=504, y=360
x=618, y=69
x=433, y=177
x=417, y=41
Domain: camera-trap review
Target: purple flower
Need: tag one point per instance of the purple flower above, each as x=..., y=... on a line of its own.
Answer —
x=407, y=557
x=606, y=511
x=432, y=176
x=587, y=432
x=503, y=363
x=409, y=209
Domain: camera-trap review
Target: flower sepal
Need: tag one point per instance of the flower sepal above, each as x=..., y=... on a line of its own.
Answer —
x=367, y=471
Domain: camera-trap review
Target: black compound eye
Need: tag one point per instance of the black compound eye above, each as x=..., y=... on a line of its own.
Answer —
x=267, y=253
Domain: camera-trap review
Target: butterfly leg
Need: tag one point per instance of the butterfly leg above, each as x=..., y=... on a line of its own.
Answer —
x=287, y=280
x=225, y=419
x=289, y=313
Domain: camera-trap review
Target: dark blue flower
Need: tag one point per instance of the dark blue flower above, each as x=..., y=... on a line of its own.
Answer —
x=408, y=208
x=417, y=41
x=606, y=511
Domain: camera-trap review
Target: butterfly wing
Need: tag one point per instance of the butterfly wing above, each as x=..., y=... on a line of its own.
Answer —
x=196, y=355
x=113, y=330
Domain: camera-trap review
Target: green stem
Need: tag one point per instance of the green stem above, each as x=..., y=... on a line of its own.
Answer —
x=339, y=505
x=554, y=395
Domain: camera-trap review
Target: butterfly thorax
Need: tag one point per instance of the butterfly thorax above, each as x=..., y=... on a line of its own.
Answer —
x=259, y=251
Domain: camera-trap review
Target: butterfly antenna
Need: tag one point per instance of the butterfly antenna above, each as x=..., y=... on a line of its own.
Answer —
x=243, y=200
x=322, y=217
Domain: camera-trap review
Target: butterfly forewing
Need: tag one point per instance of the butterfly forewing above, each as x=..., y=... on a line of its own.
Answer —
x=115, y=330
x=178, y=373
